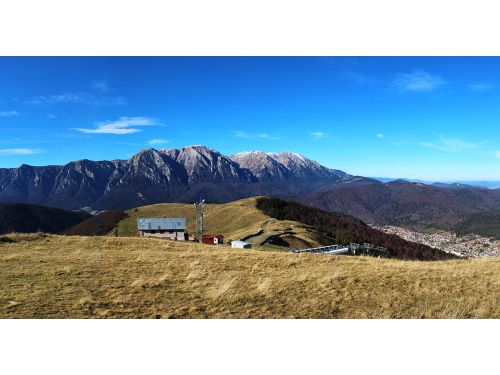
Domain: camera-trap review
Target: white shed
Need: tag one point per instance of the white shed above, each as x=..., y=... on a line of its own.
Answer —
x=240, y=245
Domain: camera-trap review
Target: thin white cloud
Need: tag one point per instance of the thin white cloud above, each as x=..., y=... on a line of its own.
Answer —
x=9, y=114
x=497, y=154
x=245, y=135
x=124, y=125
x=20, y=151
x=417, y=81
x=358, y=78
x=453, y=145
x=348, y=69
x=380, y=136
x=317, y=135
x=481, y=87
x=241, y=134
x=158, y=141
x=101, y=86
x=97, y=100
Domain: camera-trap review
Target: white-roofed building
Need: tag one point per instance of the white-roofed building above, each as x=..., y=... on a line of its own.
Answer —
x=237, y=244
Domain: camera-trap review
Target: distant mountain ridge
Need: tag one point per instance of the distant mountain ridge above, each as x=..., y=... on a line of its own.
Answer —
x=165, y=175
x=410, y=204
x=473, y=183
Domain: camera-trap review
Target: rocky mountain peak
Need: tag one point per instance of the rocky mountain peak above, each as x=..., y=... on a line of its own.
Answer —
x=246, y=154
x=284, y=165
x=292, y=159
x=204, y=164
x=262, y=165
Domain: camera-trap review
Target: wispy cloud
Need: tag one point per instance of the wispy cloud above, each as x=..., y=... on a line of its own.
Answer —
x=406, y=142
x=101, y=86
x=158, y=141
x=9, y=114
x=317, y=135
x=380, y=136
x=124, y=125
x=243, y=134
x=266, y=136
x=348, y=69
x=453, y=145
x=481, y=87
x=20, y=151
x=417, y=81
x=97, y=100
x=497, y=154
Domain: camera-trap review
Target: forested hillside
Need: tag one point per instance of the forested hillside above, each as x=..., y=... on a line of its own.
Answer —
x=413, y=205
x=345, y=229
x=485, y=224
x=98, y=225
x=28, y=218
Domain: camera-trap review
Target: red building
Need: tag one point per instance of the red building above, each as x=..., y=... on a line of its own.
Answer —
x=213, y=239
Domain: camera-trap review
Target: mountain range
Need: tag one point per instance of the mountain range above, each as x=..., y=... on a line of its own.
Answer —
x=190, y=173
x=166, y=175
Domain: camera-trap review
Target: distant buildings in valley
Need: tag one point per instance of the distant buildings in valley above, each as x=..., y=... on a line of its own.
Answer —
x=469, y=246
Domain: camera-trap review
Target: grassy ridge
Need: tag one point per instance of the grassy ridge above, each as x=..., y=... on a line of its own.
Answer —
x=235, y=220
x=108, y=277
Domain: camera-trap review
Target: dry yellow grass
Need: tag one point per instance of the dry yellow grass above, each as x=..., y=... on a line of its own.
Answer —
x=107, y=277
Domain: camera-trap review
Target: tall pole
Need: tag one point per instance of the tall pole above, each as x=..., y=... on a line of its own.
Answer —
x=200, y=211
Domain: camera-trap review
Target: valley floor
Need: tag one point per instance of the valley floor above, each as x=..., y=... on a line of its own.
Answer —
x=106, y=277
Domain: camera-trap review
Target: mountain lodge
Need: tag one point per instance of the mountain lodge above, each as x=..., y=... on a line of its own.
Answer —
x=172, y=228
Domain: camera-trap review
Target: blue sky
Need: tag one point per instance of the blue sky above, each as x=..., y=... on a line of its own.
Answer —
x=426, y=118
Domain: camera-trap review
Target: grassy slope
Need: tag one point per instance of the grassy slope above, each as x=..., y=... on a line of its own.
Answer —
x=234, y=220
x=62, y=277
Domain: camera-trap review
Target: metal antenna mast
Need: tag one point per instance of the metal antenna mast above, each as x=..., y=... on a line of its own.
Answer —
x=200, y=211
